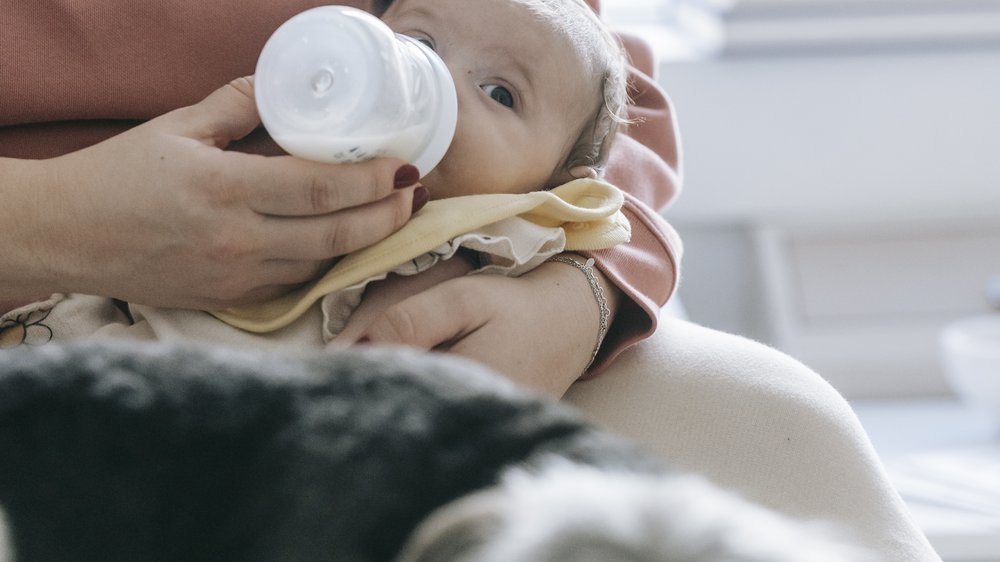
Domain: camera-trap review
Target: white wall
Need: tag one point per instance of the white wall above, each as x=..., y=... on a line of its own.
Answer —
x=788, y=153
x=912, y=133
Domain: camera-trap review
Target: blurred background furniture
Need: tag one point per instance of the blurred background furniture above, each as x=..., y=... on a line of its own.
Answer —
x=842, y=203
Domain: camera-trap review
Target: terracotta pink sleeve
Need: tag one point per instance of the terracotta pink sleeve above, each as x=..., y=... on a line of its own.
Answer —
x=646, y=165
x=127, y=61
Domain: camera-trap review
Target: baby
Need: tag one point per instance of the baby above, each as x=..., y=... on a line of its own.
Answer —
x=541, y=88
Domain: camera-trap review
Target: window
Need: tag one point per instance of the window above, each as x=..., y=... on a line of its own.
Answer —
x=677, y=29
x=681, y=29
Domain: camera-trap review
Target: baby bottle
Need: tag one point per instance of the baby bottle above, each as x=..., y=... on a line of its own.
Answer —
x=335, y=84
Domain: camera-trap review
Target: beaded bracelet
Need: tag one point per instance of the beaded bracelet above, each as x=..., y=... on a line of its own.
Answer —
x=602, y=301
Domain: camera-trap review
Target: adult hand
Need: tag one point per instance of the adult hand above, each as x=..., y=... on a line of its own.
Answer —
x=538, y=329
x=162, y=215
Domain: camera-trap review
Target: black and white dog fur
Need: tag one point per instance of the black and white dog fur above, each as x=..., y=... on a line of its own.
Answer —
x=160, y=452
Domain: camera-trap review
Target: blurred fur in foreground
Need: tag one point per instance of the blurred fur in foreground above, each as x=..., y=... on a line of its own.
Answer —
x=160, y=452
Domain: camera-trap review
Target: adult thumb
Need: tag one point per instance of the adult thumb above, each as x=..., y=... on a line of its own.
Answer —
x=227, y=114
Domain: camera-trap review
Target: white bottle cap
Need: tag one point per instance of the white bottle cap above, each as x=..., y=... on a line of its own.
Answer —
x=335, y=84
x=445, y=110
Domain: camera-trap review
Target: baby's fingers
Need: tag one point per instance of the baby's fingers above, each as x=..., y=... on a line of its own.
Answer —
x=432, y=319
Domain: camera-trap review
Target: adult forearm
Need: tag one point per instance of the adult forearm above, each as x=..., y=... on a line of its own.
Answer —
x=27, y=269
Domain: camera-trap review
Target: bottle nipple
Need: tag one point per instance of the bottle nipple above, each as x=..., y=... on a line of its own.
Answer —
x=322, y=82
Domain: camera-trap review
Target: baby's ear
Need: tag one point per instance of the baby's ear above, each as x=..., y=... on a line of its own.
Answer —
x=580, y=172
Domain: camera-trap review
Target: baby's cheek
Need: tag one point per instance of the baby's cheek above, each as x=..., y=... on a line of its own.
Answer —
x=448, y=180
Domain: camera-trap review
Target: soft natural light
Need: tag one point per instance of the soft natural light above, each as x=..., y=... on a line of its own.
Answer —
x=698, y=29
x=677, y=29
x=840, y=203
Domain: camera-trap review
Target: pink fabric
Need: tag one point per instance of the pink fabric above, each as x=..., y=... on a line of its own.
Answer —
x=79, y=72
x=646, y=164
x=109, y=59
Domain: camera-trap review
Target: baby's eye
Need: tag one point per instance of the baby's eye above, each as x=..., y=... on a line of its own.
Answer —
x=499, y=94
x=425, y=41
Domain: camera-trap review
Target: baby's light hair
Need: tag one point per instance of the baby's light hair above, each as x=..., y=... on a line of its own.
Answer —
x=606, y=59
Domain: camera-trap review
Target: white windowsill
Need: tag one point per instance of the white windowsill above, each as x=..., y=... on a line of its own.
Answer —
x=905, y=27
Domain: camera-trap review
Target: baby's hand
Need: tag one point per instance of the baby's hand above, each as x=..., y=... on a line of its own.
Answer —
x=539, y=329
x=382, y=295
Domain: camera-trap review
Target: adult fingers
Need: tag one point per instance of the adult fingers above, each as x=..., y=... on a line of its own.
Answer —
x=269, y=280
x=339, y=233
x=253, y=295
x=227, y=114
x=292, y=272
x=281, y=185
x=288, y=186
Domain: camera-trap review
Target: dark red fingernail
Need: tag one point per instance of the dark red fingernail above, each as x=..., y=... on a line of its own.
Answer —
x=420, y=198
x=406, y=175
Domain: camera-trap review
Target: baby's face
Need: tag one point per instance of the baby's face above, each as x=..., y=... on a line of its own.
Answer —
x=523, y=93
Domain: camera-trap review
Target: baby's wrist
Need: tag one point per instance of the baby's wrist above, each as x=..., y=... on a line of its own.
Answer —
x=611, y=291
x=605, y=295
